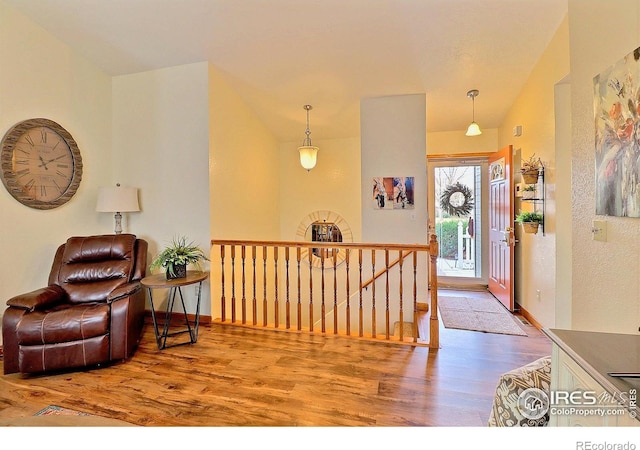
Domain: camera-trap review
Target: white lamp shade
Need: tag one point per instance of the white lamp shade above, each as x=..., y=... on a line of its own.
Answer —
x=473, y=130
x=308, y=156
x=118, y=199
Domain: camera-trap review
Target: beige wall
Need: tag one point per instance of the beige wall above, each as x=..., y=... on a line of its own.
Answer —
x=161, y=146
x=41, y=77
x=333, y=185
x=605, y=281
x=447, y=143
x=534, y=111
x=244, y=168
x=393, y=133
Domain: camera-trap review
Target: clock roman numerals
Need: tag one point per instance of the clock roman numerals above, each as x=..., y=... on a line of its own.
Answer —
x=29, y=140
x=55, y=183
x=29, y=185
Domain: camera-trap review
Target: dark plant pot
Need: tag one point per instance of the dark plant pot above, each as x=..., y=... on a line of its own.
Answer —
x=180, y=271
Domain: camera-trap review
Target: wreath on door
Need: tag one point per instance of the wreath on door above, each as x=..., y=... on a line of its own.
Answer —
x=457, y=200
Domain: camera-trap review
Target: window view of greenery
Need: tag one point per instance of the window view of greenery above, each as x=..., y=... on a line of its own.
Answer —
x=457, y=218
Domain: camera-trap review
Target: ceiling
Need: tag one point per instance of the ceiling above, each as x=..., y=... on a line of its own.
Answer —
x=282, y=54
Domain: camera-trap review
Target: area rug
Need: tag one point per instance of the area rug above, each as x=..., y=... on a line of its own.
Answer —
x=54, y=415
x=477, y=314
x=53, y=410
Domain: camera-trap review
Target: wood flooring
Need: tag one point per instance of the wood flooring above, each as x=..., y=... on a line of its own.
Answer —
x=236, y=377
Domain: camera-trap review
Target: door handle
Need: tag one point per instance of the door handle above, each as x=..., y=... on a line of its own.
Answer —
x=507, y=236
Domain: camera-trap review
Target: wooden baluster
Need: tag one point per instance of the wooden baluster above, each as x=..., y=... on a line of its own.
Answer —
x=244, y=285
x=335, y=291
x=386, y=310
x=434, y=329
x=401, y=262
x=310, y=253
x=223, y=302
x=255, y=300
x=373, y=294
x=348, y=309
x=276, y=304
x=233, y=284
x=230, y=257
x=288, y=312
x=298, y=257
x=265, y=305
x=360, y=312
x=415, y=296
x=322, y=308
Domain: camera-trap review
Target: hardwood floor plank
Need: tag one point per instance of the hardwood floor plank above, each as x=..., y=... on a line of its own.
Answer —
x=237, y=377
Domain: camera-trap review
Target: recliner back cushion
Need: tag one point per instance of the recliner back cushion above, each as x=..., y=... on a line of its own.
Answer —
x=92, y=267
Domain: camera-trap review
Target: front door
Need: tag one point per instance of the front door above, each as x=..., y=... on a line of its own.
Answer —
x=501, y=231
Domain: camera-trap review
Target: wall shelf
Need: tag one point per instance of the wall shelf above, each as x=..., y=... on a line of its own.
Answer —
x=538, y=200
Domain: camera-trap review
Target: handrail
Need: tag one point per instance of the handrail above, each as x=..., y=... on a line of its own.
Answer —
x=395, y=262
x=287, y=283
x=307, y=244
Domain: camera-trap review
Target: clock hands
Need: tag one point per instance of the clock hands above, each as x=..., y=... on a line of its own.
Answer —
x=44, y=164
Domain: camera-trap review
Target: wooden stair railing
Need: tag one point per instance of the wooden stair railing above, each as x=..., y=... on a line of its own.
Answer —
x=395, y=262
x=295, y=280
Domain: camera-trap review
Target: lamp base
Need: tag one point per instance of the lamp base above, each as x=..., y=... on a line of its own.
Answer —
x=118, y=218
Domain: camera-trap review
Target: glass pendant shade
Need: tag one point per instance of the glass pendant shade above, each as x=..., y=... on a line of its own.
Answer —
x=308, y=152
x=473, y=130
x=308, y=156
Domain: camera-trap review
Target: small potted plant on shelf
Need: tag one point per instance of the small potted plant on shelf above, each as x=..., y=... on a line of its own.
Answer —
x=530, y=169
x=530, y=221
x=529, y=192
x=175, y=258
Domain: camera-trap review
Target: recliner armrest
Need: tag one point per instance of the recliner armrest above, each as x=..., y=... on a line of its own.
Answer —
x=124, y=291
x=40, y=298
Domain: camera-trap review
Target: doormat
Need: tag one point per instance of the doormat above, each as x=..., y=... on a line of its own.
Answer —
x=477, y=314
x=53, y=410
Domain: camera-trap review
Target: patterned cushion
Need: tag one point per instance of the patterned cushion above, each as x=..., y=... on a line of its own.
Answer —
x=505, y=411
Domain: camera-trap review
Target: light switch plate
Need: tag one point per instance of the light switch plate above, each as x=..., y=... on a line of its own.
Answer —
x=599, y=230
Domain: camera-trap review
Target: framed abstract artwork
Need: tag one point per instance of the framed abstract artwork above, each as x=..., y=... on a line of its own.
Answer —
x=617, y=138
x=393, y=192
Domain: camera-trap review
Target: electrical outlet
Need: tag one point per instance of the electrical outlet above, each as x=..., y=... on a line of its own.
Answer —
x=538, y=294
x=599, y=230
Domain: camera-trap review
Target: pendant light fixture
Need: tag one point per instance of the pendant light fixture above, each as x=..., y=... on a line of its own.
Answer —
x=474, y=129
x=308, y=153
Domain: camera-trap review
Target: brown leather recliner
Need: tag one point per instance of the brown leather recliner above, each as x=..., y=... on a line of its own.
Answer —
x=91, y=313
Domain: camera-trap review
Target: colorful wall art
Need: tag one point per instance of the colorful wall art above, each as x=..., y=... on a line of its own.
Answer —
x=617, y=138
x=393, y=193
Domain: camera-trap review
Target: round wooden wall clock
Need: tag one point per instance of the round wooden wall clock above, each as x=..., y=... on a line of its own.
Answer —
x=41, y=163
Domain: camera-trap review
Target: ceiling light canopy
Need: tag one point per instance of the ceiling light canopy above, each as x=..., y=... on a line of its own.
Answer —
x=474, y=129
x=308, y=153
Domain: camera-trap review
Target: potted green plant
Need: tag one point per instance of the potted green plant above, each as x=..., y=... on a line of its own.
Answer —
x=530, y=221
x=530, y=169
x=529, y=191
x=175, y=258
